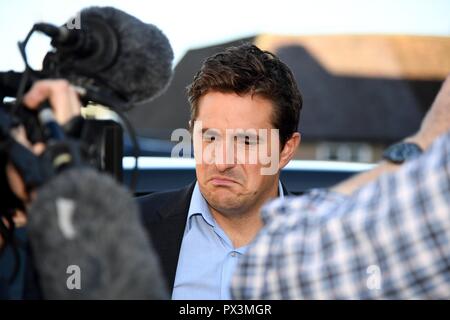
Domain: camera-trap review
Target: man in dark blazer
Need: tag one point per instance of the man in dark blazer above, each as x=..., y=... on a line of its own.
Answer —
x=165, y=219
x=245, y=109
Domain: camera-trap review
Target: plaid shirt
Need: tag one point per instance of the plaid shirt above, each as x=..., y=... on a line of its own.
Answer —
x=388, y=240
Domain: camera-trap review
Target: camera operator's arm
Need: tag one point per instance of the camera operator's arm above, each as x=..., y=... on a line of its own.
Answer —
x=435, y=123
x=65, y=104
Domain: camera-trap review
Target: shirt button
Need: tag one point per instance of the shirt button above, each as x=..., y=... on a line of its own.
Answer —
x=233, y=254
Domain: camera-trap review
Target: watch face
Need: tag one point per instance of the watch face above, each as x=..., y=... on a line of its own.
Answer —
x=401, y=152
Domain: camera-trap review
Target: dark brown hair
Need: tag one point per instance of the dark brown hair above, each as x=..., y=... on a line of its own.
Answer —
x=248, y=70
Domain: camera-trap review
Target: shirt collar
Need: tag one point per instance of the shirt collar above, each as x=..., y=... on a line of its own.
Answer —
x=280, y=190
x=198, y=205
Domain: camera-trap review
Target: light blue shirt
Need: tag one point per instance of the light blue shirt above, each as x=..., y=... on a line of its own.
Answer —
x=207, y=257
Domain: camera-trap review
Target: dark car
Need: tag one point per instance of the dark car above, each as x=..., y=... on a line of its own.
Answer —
x=165, y=173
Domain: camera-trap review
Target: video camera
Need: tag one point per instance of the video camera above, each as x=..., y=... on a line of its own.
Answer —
x=112, y=59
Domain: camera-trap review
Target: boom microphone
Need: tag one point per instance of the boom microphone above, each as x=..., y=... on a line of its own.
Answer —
x=130, y=57
x=83, y=222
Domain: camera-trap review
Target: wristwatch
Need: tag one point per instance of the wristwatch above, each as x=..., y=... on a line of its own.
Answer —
x=402, y=151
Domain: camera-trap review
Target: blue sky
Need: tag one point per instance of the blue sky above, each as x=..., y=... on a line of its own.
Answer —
x=196, y=23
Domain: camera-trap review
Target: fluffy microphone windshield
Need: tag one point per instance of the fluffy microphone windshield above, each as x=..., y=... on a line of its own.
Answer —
x=88, y=243
x=142, y=68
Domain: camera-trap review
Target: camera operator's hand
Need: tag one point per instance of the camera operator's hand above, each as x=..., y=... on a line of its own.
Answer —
x=61, y=95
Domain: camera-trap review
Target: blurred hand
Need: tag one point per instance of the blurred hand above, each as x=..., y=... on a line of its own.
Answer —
x=61, y=95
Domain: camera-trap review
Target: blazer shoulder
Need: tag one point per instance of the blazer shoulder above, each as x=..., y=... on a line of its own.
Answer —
x=158, y=199
x=159, y=204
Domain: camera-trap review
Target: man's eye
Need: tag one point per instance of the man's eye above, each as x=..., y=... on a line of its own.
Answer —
x=209, y=138
x=250, y=141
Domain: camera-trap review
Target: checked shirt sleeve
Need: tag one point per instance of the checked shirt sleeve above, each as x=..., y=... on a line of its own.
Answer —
x=389, y=240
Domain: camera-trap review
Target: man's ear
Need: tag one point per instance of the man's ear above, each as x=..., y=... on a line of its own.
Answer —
x=289, y=149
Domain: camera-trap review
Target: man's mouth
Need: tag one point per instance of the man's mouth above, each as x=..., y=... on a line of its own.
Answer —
x=222, y=181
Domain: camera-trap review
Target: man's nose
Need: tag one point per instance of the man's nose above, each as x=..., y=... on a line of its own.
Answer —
x=225, y=157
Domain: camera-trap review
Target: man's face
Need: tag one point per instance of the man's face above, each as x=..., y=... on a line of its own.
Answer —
x=227, y=132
